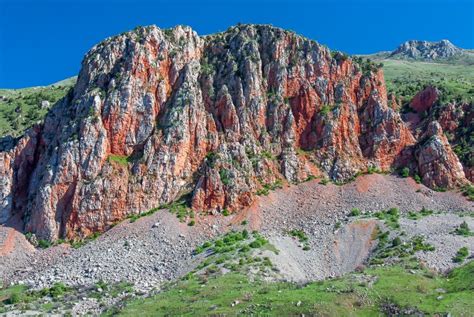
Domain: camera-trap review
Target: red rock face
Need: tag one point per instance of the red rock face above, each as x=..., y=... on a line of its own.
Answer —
x=16, y=165
x=457, y=119
x=159, y=114
x=425, y=99
x=437, y=163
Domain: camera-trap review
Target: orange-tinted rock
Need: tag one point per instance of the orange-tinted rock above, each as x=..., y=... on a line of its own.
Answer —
x=437, y=163
x=425, y=99
x=457, y=119
x=156, y=114
x=17, y=160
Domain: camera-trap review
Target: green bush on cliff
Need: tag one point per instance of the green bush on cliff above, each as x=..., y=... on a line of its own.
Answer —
x=405, y=172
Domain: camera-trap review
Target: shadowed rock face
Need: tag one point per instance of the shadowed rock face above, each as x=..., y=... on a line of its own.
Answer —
x=156, y=114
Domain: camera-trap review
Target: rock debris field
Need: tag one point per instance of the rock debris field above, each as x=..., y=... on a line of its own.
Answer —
x=159, y=248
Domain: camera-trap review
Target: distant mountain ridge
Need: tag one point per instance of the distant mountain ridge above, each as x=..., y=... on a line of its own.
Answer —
x=426, y=50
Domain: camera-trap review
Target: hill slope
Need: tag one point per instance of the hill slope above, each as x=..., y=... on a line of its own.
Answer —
x=21, y=108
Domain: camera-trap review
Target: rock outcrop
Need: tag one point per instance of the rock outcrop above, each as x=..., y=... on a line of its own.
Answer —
x=424, y=50
x=437, y=163
x=159, y=114
x=457, y=120
x=425, y=99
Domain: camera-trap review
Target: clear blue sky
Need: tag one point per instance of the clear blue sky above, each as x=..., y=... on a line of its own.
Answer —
x=43, y=41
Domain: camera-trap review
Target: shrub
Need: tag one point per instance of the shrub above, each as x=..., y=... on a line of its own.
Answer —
x=244, y=249
x=44, y=244
x=397, y=241
x=267, y=155
x=13, y=299
x=355, y=212
x=211, y=158
x=461, y=255
x=372, y=169
x=393, y=211
x=417, y=178
x=255, y=244
x=225, y=176
x=57, y=290
x=119, y=159
x=324, y=181
x=299, y=234
x=191, y=223
x=468, y=191
x=325, y=109
x=463, y=229
x=405, y=172
x=390, y=217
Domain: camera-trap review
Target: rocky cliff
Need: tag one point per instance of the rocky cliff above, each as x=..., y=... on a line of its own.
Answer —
x=158, y=114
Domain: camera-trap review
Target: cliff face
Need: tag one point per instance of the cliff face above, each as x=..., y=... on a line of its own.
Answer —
x=157, y=114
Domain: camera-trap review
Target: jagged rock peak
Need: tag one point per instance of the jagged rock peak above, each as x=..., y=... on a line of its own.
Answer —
x=426, y=50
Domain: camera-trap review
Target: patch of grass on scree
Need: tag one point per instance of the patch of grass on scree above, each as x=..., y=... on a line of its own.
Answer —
x=362, y=294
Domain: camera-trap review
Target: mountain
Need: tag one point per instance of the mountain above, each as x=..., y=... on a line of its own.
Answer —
x=443, y=52
x=443, y=49
x=239, y=173
x=204, y=124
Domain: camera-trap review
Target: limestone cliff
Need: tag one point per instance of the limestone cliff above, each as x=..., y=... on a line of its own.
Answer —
x=157, y=114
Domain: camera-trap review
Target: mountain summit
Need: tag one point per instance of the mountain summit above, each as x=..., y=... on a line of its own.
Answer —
x=443, y=49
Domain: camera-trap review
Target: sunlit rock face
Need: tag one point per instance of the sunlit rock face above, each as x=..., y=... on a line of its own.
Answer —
x=157, y=114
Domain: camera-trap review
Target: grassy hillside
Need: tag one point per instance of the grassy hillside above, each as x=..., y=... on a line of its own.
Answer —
x=21, y=108
x=406, y=78
x=377, y=291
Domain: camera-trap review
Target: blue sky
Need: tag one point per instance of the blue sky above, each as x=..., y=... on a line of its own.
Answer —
x=44, y=41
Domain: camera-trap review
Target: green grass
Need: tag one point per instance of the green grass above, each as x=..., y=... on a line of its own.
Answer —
x=324, y=181
x=406, y=78
x=350, y=295
x=76, y=244
x=20, y=297
x=355, y=212
x=390, y=217
x=463, y=230
x=299, y=234
x=21, y=108
x=468, y=191
x=397, y=250
x=135, y=217
x=302, y=238
x=267, y=187
x=122, y=160
x=413, y=215
x=461, y=255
